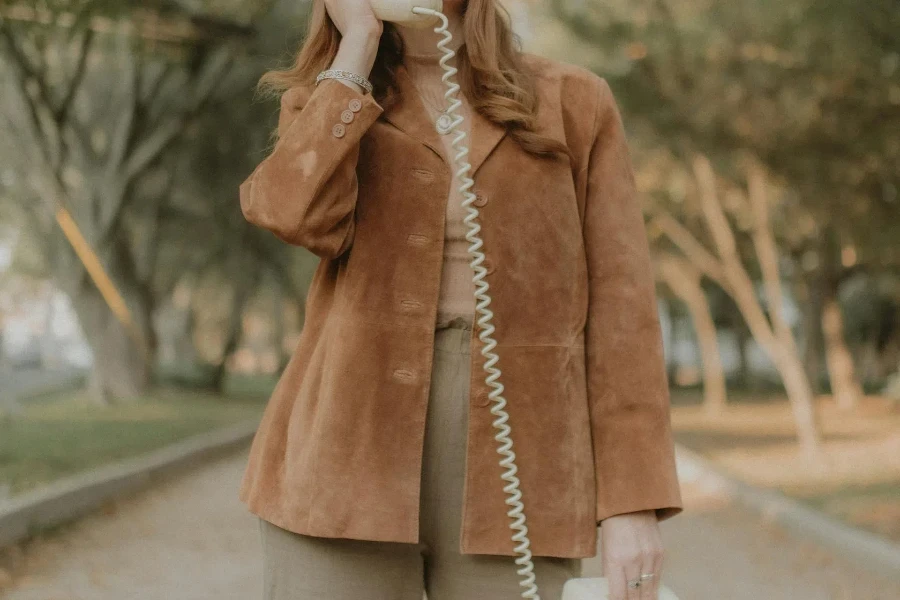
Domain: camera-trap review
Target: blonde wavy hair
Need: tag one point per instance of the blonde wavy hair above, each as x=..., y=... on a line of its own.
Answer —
x=492, y=74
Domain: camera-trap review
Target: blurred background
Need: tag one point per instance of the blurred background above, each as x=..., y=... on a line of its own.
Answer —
x=141, y=315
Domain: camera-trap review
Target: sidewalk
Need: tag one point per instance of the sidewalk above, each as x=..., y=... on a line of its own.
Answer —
x=191, y=539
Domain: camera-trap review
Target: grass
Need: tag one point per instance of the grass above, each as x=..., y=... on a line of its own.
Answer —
x=857, y=478
x=64, y=433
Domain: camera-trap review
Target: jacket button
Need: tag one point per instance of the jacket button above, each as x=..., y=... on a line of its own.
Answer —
x=355, y=105
x=347, y=116
x=338, y=130
x=480, y=199
x=488, y=264
x=481, y=398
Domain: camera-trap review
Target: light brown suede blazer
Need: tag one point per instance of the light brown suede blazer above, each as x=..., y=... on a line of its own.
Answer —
x=363, y=186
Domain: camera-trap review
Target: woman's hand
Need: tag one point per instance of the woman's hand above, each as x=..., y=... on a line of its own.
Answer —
x=360, y=34
x=354, y=17
x=631, y=547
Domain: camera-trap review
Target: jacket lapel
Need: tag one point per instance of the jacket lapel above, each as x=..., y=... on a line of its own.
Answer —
x=407, y=112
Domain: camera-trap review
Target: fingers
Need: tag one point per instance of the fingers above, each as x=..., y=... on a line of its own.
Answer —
x=632, y=546
x=647, y=559
x=622, y=567
x=616, y=579
x=651, y=563
x=649, y=587
x=632, y=572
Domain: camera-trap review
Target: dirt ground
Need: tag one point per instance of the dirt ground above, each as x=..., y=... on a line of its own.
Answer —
x=857, y=478
x=191, y=539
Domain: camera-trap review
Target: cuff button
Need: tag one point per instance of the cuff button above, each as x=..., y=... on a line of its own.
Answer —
x=347, y=116
x=355, y=105
x=338, y=130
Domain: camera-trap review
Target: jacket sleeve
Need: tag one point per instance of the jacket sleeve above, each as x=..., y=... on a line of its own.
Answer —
x=626, y=376
x=305, y=190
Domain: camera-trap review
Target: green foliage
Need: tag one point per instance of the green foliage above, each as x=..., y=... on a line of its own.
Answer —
x=810, y=87
x=242, y=11
x=117, y=110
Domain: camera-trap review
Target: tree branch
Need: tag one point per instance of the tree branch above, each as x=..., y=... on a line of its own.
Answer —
x=62, y=112
x=766, y=249
x=695, y=251
x=22, y=72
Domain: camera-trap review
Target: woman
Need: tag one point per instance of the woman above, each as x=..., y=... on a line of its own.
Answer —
x=374, y=471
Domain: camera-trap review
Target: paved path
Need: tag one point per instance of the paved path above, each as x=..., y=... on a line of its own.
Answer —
x=191, y=539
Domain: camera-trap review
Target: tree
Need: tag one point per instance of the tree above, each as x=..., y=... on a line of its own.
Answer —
x=235, y=257
x=96, y=95
x=725, y=267
x=685, y=281
x=809, y=87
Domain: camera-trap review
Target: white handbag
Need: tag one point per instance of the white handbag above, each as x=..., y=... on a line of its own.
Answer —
x=422, y=13
x=597, y=588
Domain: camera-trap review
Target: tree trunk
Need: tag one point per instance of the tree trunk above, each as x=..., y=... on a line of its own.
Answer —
x=772, y=332
x=802, y=400
x=242, y=293
x=745, y=376
x=845, y=387
x=809, y=296
x=123, y=356
x=778, y=334
x=122, y=369
x=787, y=361
x=684, y=281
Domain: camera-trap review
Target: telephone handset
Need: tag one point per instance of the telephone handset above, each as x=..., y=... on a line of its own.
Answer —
x=401, y=12
x=422, y=14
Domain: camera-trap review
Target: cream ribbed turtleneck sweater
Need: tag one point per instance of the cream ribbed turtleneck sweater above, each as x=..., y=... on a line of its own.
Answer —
x=457, y=293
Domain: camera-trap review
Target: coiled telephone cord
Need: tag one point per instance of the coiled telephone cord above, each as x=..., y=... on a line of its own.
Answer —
x=505, y=443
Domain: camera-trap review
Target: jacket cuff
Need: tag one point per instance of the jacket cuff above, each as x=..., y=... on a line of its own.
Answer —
x=333, y=112
x=640, y=474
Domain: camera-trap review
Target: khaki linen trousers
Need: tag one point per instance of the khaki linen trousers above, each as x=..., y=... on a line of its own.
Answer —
x=301, y=567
